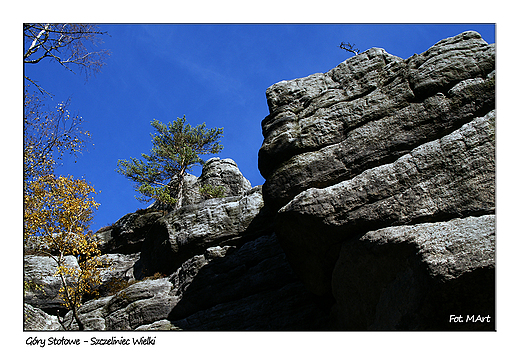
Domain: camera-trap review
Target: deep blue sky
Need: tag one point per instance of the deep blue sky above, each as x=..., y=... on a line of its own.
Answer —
x=216, y=74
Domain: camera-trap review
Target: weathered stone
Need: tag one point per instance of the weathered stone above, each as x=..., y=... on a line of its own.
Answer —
x=163, y=324
x=448, y=177
x=36, y=319
x=119, y=270
x=252, y=284
x=224, y=172
x=192, y=229
x=415, y=277
x=316, y=137
x=215, y=172
x=310, y=113
x=127, y=235
x=450, y=61
x=92, y=313
x=40, y=271
x=291, y=307
x=250, y=288
x=141, y=303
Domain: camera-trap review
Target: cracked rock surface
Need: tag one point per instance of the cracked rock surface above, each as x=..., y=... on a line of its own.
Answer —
x=381, y=142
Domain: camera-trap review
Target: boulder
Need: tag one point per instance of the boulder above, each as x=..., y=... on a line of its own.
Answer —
x=127, y=234
x=143, y=302
x=163, y=324
x=416, y=277
x=40, y=274
x=36, y=319
x=224, y=172
x=119, y=272
x=216, y=172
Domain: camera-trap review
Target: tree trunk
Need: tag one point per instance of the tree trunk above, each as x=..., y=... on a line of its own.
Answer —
x=76, y=317
x=71, y=302
x=180, y=186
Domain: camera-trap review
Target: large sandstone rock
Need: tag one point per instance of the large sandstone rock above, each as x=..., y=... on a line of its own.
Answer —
x=224, y=172
x=380, y=142
x=252, y=287
x=445, y=178
x=141, y=303
x=368, y=111
x=195, y=264
x=416, y=277
x=40, y=274
x=215, y=172
x=192, y=229
x=127, y=234
x=377, y=213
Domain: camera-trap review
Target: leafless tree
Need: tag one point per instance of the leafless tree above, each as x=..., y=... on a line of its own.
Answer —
x=349, y=47
x=68, y=44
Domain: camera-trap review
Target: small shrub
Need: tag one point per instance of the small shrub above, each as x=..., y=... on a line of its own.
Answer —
x=155, y=276
x=349, y=47
x=209, y=191
x=116, y=285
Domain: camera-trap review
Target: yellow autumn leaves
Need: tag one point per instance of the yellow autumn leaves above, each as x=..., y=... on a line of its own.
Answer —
x=58, y=209
x=56, y=218
x=58, y=205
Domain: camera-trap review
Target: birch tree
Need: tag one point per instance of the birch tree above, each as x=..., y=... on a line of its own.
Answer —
x=69, y=44
x=57, y=214
x=58, y=209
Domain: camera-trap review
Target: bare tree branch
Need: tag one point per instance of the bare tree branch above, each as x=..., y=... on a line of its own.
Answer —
x=349, y=47
x=68, y=44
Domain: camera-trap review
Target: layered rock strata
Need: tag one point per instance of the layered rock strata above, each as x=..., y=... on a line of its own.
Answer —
x=381, y=142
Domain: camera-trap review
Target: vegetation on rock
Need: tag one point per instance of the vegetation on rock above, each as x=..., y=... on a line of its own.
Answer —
x=56, y=219
x=177, y=147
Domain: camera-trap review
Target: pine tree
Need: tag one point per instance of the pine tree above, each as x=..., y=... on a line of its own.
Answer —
x=177, y=147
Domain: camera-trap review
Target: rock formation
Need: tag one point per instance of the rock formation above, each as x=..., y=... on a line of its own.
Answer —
x=188, y=268
x=378, y=169
x=377, y=213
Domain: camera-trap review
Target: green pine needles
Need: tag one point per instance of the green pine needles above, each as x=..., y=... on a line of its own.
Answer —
x=177, y=147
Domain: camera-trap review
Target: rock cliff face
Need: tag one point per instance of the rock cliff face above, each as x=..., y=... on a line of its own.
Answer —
x=383, y=173
x=377, y=213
